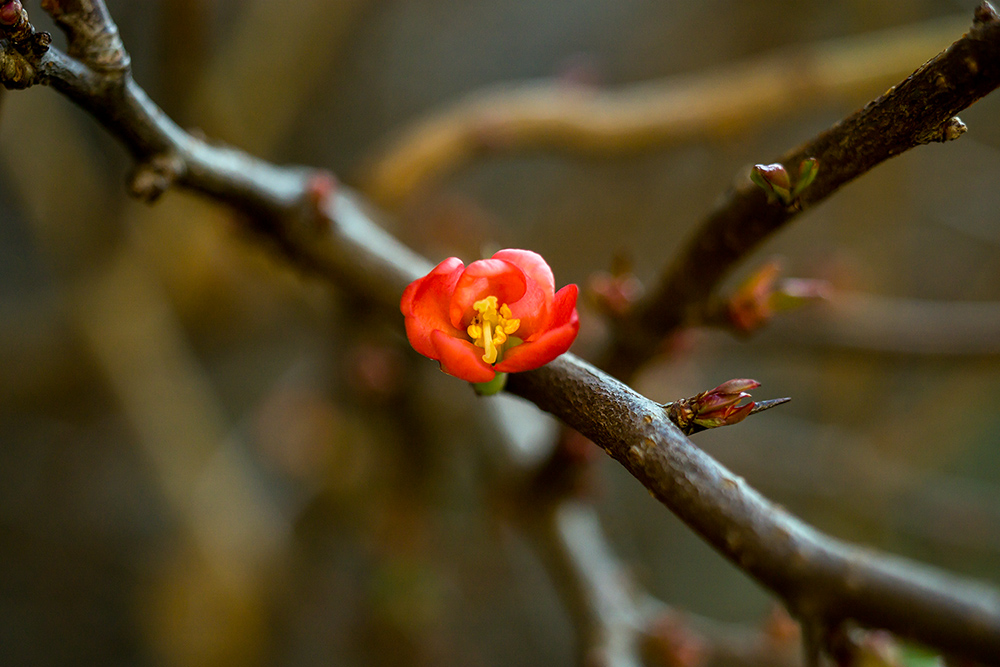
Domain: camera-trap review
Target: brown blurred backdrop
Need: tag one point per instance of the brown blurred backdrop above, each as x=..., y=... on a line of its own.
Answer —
x=208, y=458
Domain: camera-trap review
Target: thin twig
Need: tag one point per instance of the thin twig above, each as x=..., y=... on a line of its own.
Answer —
x=917, y=111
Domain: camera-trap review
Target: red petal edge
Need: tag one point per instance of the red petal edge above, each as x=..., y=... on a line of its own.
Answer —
x=461, y=358
x=425, y=305
x=550, y=344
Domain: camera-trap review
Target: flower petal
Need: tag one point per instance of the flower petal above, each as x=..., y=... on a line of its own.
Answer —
x=425, y=305
x=461, y=358
x=551, y=343
x=564, y=305
x=486, y=277
x=548, y=346
x=533, y=265
x=534, y=308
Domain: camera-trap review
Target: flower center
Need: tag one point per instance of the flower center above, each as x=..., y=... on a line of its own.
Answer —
x=490, y=327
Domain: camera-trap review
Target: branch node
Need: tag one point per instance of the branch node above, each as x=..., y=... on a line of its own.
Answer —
x=21, y=35
x=949, y=130
x=16, y=70
x=953, y=129
x=150, y=179
x=320, y=188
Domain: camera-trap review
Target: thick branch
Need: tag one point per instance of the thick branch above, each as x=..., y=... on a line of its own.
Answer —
x=818, y=576
x=919, y=110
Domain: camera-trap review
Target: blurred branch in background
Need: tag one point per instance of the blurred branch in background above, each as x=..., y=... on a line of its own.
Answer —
x=874, y=323
x=574, y=118
x=303, y=40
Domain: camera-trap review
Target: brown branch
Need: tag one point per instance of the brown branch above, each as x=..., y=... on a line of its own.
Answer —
x=93, y=36
x=917, y=111
x=558, y=116
x=332, y=234
x=817, y=576
x=597, y=592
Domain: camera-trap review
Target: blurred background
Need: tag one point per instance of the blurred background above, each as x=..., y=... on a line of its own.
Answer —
x=209, y=458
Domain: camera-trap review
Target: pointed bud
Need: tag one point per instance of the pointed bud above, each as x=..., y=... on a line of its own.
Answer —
x=773, y=179
x=713, y=408
x=750, y=306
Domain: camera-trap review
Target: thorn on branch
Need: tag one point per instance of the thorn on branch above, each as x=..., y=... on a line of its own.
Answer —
x=150, y=179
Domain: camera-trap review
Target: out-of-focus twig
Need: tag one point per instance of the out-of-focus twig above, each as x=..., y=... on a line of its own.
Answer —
x=894, y=325
x=302, y=40
x=594, y=585
x=556, y=115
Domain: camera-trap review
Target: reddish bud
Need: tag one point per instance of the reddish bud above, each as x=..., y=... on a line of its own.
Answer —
x=672, y=642
x=614, y=295
x=713, y=408
x=761, y=295
x=773, y=179
x=808, y=169
x=750, y=305
x=320, y=187
x=10, y=12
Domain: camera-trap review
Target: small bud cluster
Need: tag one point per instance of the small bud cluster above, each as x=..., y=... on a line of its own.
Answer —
x=775, y=181
x=713, y=408
x=14, y=26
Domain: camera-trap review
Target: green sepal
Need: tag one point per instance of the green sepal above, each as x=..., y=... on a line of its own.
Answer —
x=808, y=169
x=494, y=386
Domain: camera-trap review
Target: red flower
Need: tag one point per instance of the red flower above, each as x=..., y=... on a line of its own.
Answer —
x=467, y=317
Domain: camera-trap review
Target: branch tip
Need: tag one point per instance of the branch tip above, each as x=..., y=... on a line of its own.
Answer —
x=984, y=14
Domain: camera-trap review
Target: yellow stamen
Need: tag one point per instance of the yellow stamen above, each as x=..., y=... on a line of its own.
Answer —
x=490, y=328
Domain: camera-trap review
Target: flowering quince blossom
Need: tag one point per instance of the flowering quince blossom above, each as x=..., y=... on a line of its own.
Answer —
x=497, y=315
